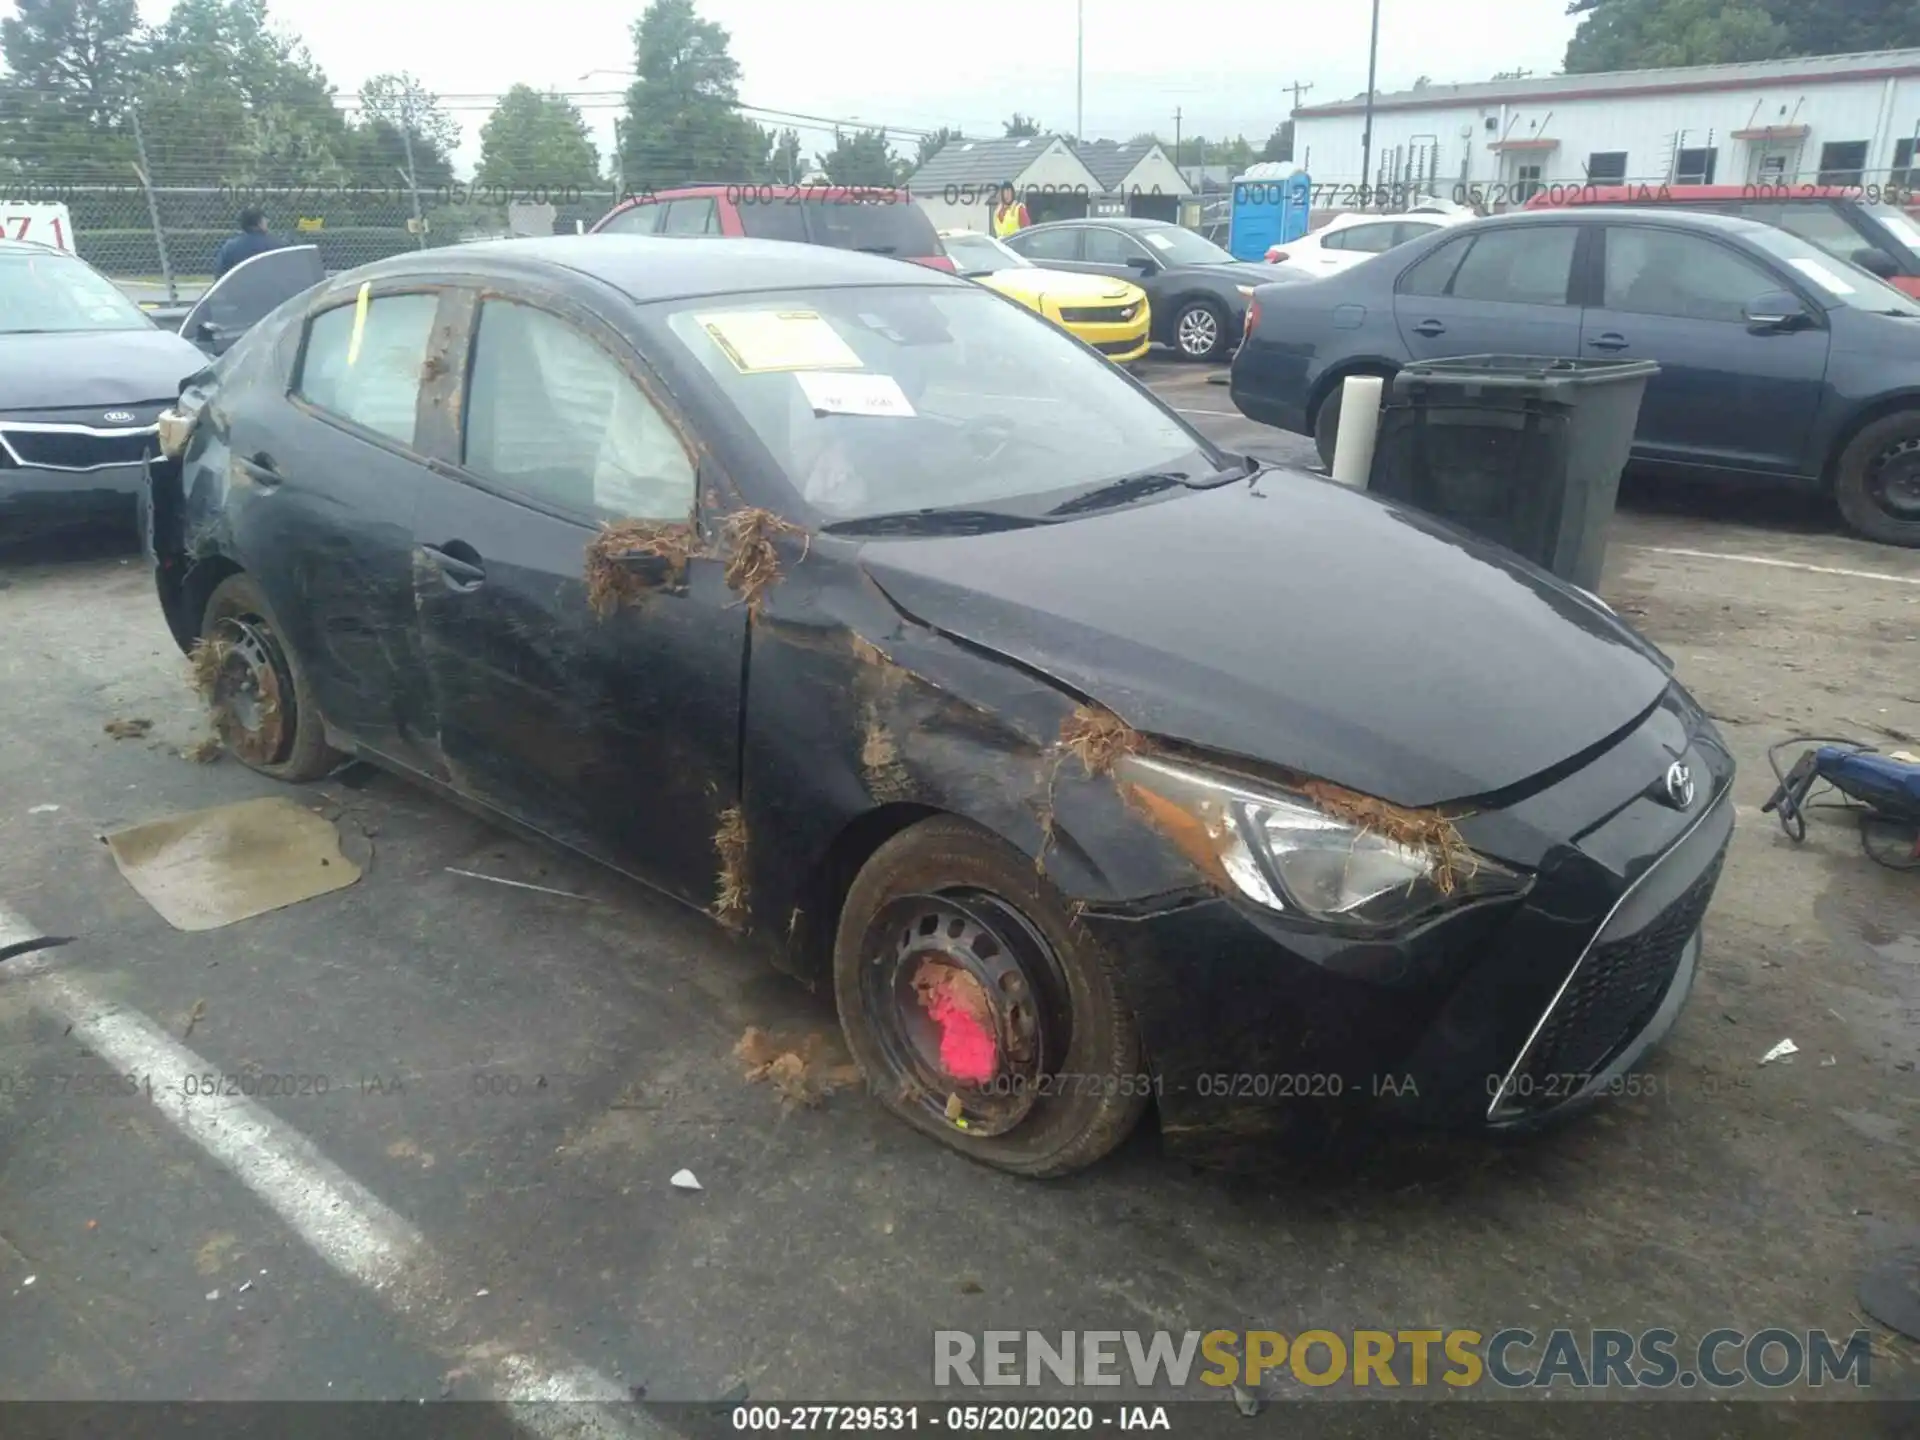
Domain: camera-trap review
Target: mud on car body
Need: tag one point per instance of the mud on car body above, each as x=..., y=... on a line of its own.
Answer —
x=1092, y=767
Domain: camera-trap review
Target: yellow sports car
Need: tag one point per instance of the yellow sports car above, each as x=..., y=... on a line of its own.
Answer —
x=1109, y=315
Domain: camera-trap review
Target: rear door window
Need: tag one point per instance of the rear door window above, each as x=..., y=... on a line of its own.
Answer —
x=692, y=216
x=368, y=372
x=1431, y=275
x=1525, y=265
x=1061, y=244
x=777, y=219
x=1365, y=239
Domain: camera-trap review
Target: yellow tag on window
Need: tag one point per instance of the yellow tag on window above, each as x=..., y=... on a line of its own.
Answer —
x=757, y=341
x=359, y=322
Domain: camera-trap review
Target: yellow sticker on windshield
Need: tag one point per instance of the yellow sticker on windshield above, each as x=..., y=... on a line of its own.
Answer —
x=359, y=322
x=758, y=341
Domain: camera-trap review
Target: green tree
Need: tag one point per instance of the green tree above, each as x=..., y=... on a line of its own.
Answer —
x=1650, y=34
x=1021, y=126
x=63, y=102
x=928, y=146
x=225, y=97
x=1627, y=34
x=683, y=120
x=862, y=158
x=1279, y=144
x=397, y=113
x=533, y=141
x=788, y=164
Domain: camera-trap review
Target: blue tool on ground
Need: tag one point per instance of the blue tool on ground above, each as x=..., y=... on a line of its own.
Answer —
x=1884, y=789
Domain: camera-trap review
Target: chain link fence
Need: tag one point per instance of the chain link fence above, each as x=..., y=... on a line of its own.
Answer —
x=169, y=235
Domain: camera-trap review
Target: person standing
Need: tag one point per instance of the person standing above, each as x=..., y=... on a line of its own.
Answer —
x=1010, y=215
x=252, y=240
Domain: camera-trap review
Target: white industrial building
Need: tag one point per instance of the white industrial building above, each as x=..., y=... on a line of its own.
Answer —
x=1836, y=119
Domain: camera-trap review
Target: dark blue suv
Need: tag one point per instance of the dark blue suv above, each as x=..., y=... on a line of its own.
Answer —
x=1779, y=363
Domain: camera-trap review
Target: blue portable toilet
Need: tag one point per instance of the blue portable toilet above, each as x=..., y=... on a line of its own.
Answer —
x=1271, y=205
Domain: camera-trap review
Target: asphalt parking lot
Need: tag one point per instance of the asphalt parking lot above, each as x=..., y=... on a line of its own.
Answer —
x=478, y=1197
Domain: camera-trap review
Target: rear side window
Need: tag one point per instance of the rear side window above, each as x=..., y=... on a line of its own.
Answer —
x=554, y=416
x=1431, y=276
x=640, y=220
x=775, y=219
x=899, y=228
x=369, y=373
x=1363, y=239
x=1521, y=266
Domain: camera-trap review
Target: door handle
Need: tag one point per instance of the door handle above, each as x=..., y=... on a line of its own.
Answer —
x=1609, y=341
x=260, y=469
x=1429, y=328
x=458, y=563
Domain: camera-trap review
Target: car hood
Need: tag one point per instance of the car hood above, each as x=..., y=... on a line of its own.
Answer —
x=1296, y=623
x=1029, y=285
x=83, y=369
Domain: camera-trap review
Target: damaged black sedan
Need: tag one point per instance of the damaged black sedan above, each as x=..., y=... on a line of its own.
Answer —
x=1091, y=766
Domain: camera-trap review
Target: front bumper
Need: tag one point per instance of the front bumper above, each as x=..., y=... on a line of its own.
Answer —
x=1500, y=1017
x=1120, y=343
x=36, y=498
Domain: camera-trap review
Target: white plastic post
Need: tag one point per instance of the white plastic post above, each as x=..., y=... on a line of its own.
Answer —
x=1359, y=428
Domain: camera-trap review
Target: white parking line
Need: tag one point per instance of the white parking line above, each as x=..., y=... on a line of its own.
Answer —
x=1776, y=564
x=342, y=1221
x=1227, y=414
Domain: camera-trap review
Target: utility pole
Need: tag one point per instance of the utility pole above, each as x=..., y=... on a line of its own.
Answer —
x=1079, y=71
x=413, y=185
x=1298, y=90
x=1176, y=137
x=1366, y=138
x=145, y=172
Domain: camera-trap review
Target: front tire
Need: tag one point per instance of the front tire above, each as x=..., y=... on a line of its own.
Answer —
x=262, y=704
x=1200, y=331
x=1876, y=482
x=977, y=1009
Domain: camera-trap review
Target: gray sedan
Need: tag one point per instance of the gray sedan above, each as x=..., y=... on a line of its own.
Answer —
x=1198, y=292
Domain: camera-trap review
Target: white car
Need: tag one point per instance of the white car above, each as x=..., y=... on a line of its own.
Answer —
x=1346, y=240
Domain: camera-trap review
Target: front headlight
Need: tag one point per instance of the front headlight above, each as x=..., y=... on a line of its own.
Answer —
x=1282, y=851
x=1245, y=290
x=175, y=429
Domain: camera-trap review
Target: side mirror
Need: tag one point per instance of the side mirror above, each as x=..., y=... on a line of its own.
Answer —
x=1876, y=261
x=1776, y=310
x=1145, y=264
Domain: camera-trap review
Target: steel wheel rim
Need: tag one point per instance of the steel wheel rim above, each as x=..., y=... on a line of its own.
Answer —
x=1002, y=962
x=1893, y=480
x=253, y=692
x=1199, y=331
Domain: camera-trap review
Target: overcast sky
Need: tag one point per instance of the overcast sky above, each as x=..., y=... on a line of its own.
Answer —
x=1224, y=65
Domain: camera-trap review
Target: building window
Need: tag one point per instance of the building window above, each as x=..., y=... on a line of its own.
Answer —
x=1844, y=163
x=1694, y=167
x=1607, y=167
x=1904, y=173
x=1526, y=181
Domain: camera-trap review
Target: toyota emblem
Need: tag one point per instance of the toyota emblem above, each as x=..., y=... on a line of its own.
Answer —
x=118, y=417
x=1679, y=786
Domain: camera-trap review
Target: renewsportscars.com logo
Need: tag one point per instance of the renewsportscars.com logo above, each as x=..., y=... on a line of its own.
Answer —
x=1512, y=1359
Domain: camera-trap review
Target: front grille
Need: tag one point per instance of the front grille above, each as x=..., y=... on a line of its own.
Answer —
x=1099, y=314
x=1610, y=999
x=75, y=450
x=1117, y=347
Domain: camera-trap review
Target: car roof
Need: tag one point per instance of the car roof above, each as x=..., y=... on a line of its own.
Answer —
x=658, y=267
x=1662, y=194
x=1116, y=222
x=28, y=247
x=1617, y=214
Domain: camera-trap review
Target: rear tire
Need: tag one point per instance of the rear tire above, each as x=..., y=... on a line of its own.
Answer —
x=1061, y=1082
x=262, y=704
x=1876, y=481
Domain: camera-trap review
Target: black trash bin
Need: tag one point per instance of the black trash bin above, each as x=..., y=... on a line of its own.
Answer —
x=1523, y=450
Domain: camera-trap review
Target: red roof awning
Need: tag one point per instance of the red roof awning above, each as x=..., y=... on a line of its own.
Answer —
x=1535, y=144
x=1774, y=132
